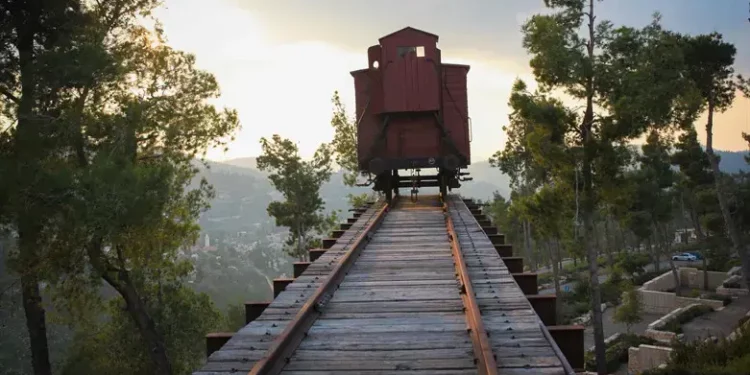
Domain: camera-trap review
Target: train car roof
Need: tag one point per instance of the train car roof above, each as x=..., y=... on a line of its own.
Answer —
x=409, y=28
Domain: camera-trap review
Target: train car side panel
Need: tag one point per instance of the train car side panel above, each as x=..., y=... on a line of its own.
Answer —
x=367, y=125
x=413, y=138
x=410, y=80
x=456, y=108
x=374, y=89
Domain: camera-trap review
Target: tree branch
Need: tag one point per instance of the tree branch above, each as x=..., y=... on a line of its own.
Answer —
x=9, y=95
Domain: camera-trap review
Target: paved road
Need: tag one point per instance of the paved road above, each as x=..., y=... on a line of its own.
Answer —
x=610, y=327
x=718, y=323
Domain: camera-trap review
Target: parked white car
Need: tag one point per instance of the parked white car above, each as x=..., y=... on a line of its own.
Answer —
x=685, y=257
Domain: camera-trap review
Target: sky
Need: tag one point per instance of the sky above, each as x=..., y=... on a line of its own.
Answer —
x=278, y=62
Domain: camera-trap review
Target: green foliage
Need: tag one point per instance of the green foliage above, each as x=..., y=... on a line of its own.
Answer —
x=299, y=182
x=645, y=277
x=632, y=264
x=235, y=317
x=617, y=351
x=344, y=142
x=631, y=308
x=344, y=148
x=709, y=358
x=109, y=347
x=109, y=118
x=686, y=316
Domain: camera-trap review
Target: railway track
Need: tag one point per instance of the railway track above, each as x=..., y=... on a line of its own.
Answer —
x=415, y=288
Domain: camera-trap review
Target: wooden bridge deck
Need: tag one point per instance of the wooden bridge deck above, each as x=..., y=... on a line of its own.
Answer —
x=399, y=308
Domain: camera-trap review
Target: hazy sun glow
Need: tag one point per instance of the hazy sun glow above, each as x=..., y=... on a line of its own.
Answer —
x=286, y=88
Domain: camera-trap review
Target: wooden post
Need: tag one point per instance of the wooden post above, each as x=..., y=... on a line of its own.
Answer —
x=280, y=284
x=527, y=282
x=570, y=341
x=316, y=253
x=328, y=242
x=299, y=268
x=544, y=305
x=215, y=340
x=253, y=310
x=514, y=264
x=504, y=250
x=497, y=239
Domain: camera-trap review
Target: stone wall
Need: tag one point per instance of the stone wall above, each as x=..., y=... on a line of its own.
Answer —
x=647, y=357
x=660, y=283
x=655, y=329
x=657, y=300
x=693, y=278
x=727, y=289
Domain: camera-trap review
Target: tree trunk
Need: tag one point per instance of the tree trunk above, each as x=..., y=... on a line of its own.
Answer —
x=35, y=323
x=157, y=349
x=527, y=245
x=650, y=248
x=607, y=243
x=589, y=147
x=120, y=280
x=701, y=240
x=742, y=251
x=666, y=241
x=556, y=278
x=28, y=152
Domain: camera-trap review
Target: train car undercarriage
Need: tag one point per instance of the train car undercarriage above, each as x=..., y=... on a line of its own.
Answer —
x=390, y=182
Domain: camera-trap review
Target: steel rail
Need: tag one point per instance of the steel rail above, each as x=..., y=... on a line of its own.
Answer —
x=547, y=335
x=485, y=358
x=278, y=354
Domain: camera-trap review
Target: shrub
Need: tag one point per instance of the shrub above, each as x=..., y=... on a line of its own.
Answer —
x=717, y=297
x=732, y=284
x=632, y=263
x=709, y=358
x=617, y=351
x=631, y=309
x=686, y=316
x=645, y=277
x=544, y=278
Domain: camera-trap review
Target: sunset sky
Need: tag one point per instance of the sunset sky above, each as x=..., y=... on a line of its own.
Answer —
x=279, y=61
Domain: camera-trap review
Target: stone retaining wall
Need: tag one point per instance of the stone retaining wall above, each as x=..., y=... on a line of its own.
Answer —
x=647, y=357
x=655, y=329
x=657, y=300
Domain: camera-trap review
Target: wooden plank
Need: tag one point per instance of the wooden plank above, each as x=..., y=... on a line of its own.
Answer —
x=399, y=309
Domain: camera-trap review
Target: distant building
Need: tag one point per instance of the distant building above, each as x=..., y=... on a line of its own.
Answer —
x=207, y=242
x=684, y=236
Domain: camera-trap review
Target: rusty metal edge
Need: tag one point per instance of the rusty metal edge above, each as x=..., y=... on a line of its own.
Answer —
x=286, y=343
x=547, y=335
x=482, y=348
x=566, y=365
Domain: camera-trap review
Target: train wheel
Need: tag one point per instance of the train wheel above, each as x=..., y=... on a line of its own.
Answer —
x=388, y=186
x=443, y=187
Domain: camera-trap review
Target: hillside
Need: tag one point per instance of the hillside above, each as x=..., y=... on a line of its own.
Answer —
x=243, y=192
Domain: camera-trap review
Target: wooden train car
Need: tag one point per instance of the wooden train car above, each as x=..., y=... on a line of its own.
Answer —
x=412, y=112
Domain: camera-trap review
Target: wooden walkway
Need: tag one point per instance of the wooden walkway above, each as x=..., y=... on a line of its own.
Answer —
x=516, y=333
x=399, y=308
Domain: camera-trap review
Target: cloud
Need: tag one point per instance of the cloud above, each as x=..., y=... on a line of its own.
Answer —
x=284, y=85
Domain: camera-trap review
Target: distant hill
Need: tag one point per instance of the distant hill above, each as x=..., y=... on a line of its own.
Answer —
x=243, y=192
x=733, y=161
x=247, y=162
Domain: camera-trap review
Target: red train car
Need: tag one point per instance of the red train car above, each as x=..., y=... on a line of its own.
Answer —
x=412, y=112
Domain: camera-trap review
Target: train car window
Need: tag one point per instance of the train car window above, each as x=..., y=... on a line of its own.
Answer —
x=403, y=51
